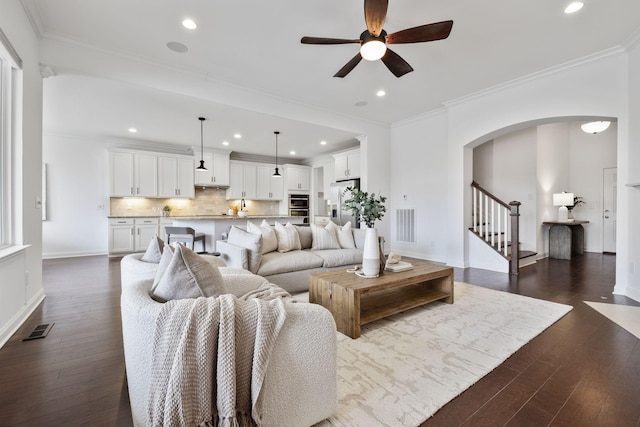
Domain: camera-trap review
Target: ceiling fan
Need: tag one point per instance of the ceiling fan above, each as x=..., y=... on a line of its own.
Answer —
x=374, y=39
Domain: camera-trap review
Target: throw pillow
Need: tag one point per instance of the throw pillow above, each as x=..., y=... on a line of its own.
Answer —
x=269, y=239
x=344, y=234
x=324, y=238
x=288, y=239
x=154, y=251
x=251, y=242
x=165, y=260
x=306, y=238
x=188, y=275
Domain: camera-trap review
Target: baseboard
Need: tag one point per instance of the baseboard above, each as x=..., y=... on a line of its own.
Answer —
x=52, y=255
x=21, y=316
x=627, y=292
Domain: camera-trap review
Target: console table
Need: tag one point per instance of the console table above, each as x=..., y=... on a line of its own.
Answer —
x=565, y=238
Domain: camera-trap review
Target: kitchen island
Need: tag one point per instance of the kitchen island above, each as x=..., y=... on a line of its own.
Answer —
x=214, y=226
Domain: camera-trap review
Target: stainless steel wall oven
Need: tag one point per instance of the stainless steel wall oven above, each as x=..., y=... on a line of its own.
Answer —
x=299, y=206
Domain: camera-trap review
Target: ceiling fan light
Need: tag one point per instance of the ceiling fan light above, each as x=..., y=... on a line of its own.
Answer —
x=595, y=127
x=373, y=50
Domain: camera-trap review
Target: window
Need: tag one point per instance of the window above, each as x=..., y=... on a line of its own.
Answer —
x=10, y=67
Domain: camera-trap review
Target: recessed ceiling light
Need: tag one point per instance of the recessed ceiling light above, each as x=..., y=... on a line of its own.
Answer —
x=381, y=93
x=177, y=47
x=574, y=7
x=189, y=24
x=225, y=142
x=133, y=130
x=237, y=136
x=293, y=153
x=323, y=142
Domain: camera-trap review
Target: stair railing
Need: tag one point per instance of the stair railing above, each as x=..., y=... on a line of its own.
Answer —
x=491, y=223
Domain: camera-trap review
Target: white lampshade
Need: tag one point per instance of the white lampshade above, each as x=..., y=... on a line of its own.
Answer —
x=563, y=199
x=373, y=50
x=595, y=127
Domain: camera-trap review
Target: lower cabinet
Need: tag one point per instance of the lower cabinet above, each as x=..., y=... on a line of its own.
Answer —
x=131, y=234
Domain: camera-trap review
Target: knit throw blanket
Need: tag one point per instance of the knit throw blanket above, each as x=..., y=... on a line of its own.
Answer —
x=209, y=360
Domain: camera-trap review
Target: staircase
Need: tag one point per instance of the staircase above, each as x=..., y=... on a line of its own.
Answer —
x=497, y=224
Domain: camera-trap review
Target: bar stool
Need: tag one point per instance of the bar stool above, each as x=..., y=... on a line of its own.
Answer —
x=185, y=235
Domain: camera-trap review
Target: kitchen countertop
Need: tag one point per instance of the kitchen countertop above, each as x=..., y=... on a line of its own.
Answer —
x=204, y=217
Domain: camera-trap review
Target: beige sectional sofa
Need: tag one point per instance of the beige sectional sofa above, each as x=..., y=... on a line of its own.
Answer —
x=290, y=269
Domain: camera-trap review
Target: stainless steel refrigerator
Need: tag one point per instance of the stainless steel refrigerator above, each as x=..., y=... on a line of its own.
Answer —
x=337, y=195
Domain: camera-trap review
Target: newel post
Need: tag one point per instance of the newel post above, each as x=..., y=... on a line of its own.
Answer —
x=514, y=263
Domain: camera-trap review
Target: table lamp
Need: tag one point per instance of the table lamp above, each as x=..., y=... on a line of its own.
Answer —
x=563, y=200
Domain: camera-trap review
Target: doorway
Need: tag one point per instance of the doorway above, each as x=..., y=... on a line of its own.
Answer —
x=609, y=211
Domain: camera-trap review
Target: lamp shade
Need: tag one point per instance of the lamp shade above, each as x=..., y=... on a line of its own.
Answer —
x=563, y=199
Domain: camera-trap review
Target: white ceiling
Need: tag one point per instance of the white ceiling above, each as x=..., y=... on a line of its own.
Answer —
x=256, y=46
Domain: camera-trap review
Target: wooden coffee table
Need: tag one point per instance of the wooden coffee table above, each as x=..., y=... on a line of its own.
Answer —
x=355, y=301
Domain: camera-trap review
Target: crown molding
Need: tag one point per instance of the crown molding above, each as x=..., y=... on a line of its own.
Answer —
x=607, y=53
x=420, y=117
x=32, y=11
x=633, y=41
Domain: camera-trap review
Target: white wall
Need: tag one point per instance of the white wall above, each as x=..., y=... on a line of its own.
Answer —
x=78, y=181
x=595, y=88
x=25, y=272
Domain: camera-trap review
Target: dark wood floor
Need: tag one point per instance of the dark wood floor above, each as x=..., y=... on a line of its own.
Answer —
x=582, y=371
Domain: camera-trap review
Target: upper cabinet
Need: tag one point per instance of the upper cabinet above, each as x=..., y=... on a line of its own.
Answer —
x=133, y=174
x=242, y=181
x=175, y=177
x=217, y=173
x=347, y=165
x=268, y=186
x=298, y=177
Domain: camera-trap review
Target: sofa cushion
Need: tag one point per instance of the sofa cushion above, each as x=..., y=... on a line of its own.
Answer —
x=305, y=235
x=188, y=275
x=288, y=239
x=324, y=238
x=344, y=234
x=269, y=239
x=154, y=251
x=251, y=242
x=338, y=257
x=276, y=262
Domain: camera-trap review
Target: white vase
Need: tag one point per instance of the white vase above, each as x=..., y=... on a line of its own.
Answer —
x=371, y=253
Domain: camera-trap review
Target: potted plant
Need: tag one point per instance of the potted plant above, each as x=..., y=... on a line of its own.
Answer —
x=166, y=210
x=369, y=209
x=577, y=201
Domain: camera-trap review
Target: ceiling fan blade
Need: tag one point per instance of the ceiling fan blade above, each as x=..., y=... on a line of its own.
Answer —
x=349, y=66
x=327, y=40
x=398, y=66
x=375, y=13
x=423, y=33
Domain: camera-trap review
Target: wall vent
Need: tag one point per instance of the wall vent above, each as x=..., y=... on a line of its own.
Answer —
x=40, y=331
x=405, y=226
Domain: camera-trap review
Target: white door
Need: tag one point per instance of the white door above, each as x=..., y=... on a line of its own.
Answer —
x=609, y=214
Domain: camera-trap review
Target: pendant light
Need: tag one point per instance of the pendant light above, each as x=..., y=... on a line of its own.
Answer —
x=276, y=173
x=201, y=167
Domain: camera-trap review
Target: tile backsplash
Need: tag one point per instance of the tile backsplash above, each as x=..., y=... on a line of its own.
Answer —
x=208, y=201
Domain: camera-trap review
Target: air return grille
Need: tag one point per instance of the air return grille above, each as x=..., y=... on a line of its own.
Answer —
x=40, y=331
x=405, y=226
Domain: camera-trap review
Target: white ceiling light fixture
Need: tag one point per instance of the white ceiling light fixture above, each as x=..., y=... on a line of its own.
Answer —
x=276, y=173
x=293, y=153
x=189, y=24
x=237, y=136
x=381, y=93
x=573, y=7
x=323, y=142
x=133, y=130
x=201, y=167
x=373, y=49
x=595, y=127
x=225, y=142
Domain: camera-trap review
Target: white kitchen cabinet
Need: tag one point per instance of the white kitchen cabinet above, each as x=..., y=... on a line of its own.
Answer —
x=176, y=177
x=133, y=174
x=268, y=187
x=217, y=173
x=298, y=178
x=347, y=165
x=242, y=181
x=131, y=234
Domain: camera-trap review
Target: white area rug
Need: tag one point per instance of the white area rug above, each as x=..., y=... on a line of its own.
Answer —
x=626, y=316
x=406, y=367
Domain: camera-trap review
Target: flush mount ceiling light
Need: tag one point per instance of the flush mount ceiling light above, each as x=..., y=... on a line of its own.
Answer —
x=380, y=93
x=573, y=7
x=276, y=173
x=189, y=24
x=201, y=167
x=595, y=127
